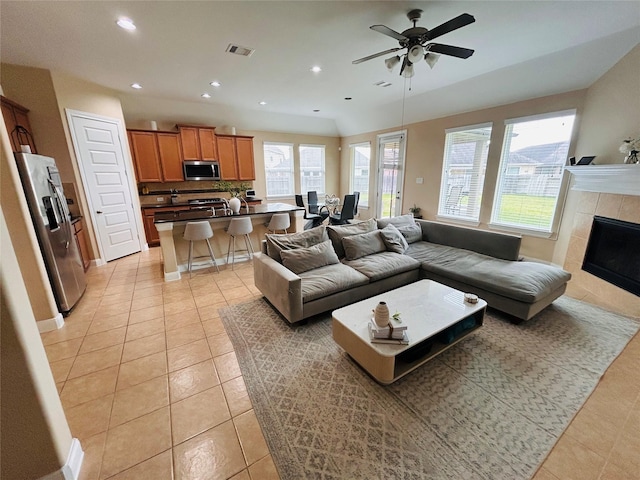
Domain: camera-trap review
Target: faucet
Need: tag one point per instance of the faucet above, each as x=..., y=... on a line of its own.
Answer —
x=226, y=209
x=242, y=199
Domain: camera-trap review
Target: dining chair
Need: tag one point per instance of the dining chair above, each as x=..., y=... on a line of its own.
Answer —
x=314, y=207
x=355, y=209
x=314, y=220
x=346, y=213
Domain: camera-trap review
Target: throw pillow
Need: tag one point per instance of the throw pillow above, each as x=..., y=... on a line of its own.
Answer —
x=338, y=232
x=276, y=243
x=401, y=221
x=413, y=233
x=356, y=246
x=393, y=239
x=301, y=260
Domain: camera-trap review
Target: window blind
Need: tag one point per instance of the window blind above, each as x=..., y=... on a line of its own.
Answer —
x=534, y=153
x=360, y=155
x=312, y=168
x=278, y=167
x=463, y=171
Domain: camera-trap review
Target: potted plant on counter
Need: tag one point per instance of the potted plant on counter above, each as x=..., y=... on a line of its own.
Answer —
x=416, y=211
x=235, y=192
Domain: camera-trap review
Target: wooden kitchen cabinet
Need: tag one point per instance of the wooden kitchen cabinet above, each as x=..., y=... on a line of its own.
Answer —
x=198, y=143
x=153, y=237
x=236, y=157
x=15, y=115
x=156, y=156
x=81, y=241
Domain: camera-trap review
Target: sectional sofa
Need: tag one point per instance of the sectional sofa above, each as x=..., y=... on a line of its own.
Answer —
x=307, y=273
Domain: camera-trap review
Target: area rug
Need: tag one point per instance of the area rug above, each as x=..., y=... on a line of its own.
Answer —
x=490, y=407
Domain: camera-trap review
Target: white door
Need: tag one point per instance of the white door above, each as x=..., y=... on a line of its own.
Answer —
x=390, y=174
x=99, y=149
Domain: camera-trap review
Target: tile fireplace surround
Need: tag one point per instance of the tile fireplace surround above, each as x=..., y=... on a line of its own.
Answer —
x=583, y=285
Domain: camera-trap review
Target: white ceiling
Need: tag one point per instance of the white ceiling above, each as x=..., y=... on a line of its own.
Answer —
x=523, y=49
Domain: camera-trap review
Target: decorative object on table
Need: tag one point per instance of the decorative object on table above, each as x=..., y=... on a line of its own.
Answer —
x=235, y=191
x=381, y=314
x=631, y=147
x=331, y=201
x=394, y=332
x=235, y=204
x=416, y=211
x=470, y=298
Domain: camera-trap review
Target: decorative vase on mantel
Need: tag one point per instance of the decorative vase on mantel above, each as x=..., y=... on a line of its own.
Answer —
x=234, y=204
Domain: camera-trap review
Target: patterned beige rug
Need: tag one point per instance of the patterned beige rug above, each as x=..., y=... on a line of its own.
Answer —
x=490, y=407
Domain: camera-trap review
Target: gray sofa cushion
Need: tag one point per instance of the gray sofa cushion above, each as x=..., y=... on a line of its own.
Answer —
x=527, y=282
x=338, y=232
x=412, y=233
x=287, y=241
x=356, y=246
x=383, y=265
x=399, y=221
x=323, y=281
x=300, y=260
x=393, y=239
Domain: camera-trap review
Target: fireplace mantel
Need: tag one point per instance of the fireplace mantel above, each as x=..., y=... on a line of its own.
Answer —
x=614, y=178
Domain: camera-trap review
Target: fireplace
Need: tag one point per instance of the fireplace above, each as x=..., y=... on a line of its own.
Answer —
x=613, y=253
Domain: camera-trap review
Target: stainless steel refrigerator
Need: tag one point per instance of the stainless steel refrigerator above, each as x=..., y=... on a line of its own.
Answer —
x=52, y=221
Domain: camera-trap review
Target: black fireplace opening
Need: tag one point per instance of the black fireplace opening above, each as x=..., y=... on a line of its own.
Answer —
x=613, y=253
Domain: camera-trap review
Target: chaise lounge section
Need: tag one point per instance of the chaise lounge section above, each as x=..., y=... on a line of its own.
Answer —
x=307, y=273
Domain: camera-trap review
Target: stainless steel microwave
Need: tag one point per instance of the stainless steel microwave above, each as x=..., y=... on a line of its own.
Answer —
x=197, y=170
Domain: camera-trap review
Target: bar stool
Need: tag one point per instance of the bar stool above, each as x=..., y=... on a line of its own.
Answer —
x=239, y=226
x=195, y=231
x=279, y=221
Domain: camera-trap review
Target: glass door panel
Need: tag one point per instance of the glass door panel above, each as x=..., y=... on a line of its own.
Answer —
x=391, y=173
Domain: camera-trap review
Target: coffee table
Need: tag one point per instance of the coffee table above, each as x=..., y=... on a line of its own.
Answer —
x=437, y=317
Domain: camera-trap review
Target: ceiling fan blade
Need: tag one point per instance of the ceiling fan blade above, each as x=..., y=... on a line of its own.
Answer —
x=449, y=50
x=375, y=55
x=453, y=24
x=387, y=31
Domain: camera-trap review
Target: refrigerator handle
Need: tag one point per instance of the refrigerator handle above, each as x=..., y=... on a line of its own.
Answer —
x=67, y=218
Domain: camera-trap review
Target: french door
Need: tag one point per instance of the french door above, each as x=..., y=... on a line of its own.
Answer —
x=391, y=151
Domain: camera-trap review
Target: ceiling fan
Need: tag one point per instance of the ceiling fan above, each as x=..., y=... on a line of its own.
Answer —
x=417, y=41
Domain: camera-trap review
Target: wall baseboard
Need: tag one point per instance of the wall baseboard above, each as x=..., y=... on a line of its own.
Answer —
x=51, y=323
x=71, y=469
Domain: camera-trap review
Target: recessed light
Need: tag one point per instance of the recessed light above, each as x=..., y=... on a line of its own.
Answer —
x=316, y=110
x=126, y=23
x=215, y=83
x=136, y=86
x=205, y=95
x=263, y=103
x=316, y=69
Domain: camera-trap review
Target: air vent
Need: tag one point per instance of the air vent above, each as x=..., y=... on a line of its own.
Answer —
x=238, y=50
x=382, y=83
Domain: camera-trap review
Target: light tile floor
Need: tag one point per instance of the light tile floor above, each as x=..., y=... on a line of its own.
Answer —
x=151, y=386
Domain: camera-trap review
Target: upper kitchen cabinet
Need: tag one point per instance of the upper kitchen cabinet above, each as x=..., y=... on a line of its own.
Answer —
x=15, y=115
x=236, y=157
x=198, y=143
x=156, y=156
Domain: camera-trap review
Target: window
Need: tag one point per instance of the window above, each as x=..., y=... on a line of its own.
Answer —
x=534, y=153
x=360, y=155
x=278, y=167
x=463, y=170
x=312, y=168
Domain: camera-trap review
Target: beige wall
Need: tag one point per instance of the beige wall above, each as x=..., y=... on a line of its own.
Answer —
x=425, y=150
x=35, y=436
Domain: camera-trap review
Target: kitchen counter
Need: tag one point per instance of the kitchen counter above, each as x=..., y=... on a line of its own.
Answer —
x=175, y=249
x=208, y=213
x=194, y=204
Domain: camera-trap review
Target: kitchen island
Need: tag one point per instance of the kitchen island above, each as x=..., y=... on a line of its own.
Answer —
x=175, y=250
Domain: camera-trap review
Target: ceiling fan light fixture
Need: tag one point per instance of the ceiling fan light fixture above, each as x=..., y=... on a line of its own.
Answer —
x=415, y=53
x=408, y=70
x=431, y=58
x=392, y=62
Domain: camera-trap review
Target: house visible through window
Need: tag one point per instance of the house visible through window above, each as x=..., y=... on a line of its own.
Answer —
x=312, y=168
x=360, y=155
x=278, y=167
x=465, y=161
x=534, y=153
